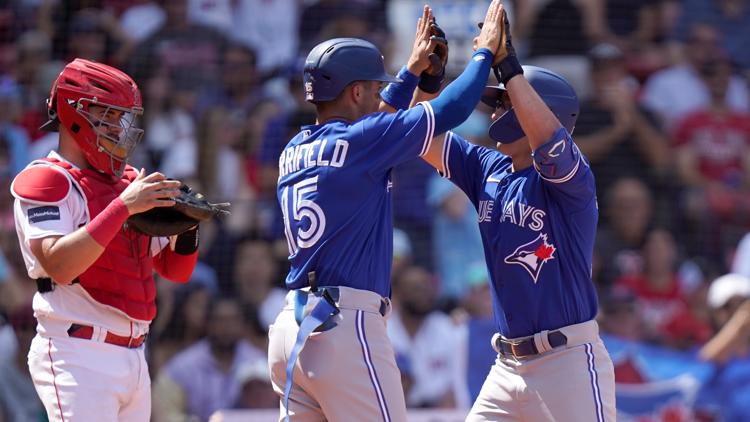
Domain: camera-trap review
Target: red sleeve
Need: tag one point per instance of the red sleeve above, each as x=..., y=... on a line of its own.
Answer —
x=685, y=128
x=173, y=266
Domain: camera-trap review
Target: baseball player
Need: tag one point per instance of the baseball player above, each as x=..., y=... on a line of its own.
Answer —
x=96, y=293
x=334, y=192
x=537, y=208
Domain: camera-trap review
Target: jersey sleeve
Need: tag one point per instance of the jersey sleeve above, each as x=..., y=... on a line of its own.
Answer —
x=468, y=165
x=398, y=137
x=565, y=170
x=42, y=221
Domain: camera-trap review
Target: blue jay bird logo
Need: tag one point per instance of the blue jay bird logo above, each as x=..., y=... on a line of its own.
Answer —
x=533, y=255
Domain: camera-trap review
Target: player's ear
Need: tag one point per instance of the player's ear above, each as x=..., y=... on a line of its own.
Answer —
x=357, y=92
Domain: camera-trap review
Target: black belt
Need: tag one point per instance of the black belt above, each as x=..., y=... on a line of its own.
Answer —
x=527, y=347
x=45, y=285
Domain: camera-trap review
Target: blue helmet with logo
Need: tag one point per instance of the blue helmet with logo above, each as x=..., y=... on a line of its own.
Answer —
x=334, y=64
x=554, y=90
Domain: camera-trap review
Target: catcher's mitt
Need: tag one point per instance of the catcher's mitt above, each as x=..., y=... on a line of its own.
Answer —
x=190, y=208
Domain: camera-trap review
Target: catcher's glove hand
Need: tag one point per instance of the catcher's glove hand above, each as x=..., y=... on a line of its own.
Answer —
x=190, y=208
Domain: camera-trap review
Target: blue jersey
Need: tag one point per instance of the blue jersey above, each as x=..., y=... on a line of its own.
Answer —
x=538, y=227
x=334, y=189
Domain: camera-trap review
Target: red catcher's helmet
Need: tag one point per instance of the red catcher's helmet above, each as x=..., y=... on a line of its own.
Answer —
x=84, y=83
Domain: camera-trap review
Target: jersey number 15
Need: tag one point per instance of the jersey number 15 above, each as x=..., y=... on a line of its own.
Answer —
x=302, y=208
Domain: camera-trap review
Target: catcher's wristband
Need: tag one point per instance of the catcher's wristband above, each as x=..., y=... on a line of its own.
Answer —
x=431, y=83
x=508, y=68
x=187, y=242
x=398, y=94
x=104, y=227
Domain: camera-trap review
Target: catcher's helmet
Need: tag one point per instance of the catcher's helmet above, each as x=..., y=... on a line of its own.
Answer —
x=554, y=90
x=334, y=64
x=83, y=83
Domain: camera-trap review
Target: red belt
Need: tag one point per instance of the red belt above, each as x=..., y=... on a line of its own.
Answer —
x=87, y=332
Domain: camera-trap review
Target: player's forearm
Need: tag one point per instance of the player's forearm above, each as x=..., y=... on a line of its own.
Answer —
x=536, y=119
x=454, y=105
x=65, y=258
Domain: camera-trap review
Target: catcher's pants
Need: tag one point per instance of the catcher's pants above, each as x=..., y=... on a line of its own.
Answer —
x=345, y=373
x=572, y=383
x=88, y=380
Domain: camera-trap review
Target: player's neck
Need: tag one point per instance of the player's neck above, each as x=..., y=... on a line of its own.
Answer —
x=69, y=150
x=329, y=117
x=521, y=162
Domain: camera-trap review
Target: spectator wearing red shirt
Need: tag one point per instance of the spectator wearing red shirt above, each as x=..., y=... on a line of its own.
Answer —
x=662, y=298
x=712, y=150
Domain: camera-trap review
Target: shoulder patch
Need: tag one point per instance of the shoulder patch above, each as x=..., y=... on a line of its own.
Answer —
x=41, y=184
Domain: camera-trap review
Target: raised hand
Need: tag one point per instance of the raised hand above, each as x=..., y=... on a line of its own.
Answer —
x=424, y=43
x=492, y=33
x=146, y=192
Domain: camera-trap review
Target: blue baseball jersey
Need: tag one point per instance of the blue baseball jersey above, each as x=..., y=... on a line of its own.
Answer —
x=334, y=189
x=538, y=227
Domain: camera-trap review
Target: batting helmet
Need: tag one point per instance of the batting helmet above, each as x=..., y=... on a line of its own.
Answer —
x=82, y=84
x=554, y=90
x=334, y=64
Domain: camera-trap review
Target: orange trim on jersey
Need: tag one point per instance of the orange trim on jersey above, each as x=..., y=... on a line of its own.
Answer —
x=52, y=367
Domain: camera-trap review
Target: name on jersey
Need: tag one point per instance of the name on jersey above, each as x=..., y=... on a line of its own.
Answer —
x=520, y=214
x=318, y=153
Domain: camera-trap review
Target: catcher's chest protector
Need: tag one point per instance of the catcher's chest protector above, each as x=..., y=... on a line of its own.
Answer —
x=122, y=276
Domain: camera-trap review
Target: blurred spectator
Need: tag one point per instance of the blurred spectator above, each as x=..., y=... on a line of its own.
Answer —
x=732, y=17
x=676, y=91
x=616, y=135
x=186, y=323
x=475, y=328
x=712, y=151
x=179, y=47
x=632, y=24
x=456, y=241
x=141, y=20
x=728, y=298
x=85, y=29
x=256, y=280
x=35, y=71
x=14, y=138
x=620, y=315
x=402, y=253
x=270, y=28
x=170, y=139
x=558, y=33
x=204, y=377
x=18, y=398
x=662, y=297
x=628, y=212
x=326, y=19
x=256, y=389
x=413, y=329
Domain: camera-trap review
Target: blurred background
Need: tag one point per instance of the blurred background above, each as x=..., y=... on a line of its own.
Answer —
x=664, y=122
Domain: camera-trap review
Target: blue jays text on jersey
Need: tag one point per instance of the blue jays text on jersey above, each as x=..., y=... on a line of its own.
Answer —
x=538, y=228
x=334, y=193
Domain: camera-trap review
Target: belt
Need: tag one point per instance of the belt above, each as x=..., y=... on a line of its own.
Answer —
x=45, y=284
x=86, y=332
x=526, y=347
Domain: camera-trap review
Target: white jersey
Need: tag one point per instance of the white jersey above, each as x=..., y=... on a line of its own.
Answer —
x=67, y=304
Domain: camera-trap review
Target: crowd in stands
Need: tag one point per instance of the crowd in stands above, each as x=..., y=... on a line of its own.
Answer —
x=664, y=122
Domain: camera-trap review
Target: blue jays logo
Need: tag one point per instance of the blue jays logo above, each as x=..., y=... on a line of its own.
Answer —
x=533, y=255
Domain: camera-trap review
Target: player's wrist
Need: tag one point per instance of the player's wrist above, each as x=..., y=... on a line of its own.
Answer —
x=107, y=223
x=187, y=242
x=398, y=94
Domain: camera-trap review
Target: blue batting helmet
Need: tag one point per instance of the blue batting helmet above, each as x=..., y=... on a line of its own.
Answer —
x=554, y=90
x=334, y=64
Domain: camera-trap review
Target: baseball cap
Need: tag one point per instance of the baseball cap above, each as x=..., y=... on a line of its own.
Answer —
x=726, y=287
x=253, y=371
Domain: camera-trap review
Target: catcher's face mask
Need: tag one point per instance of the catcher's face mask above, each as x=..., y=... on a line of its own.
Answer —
x=116, y=131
